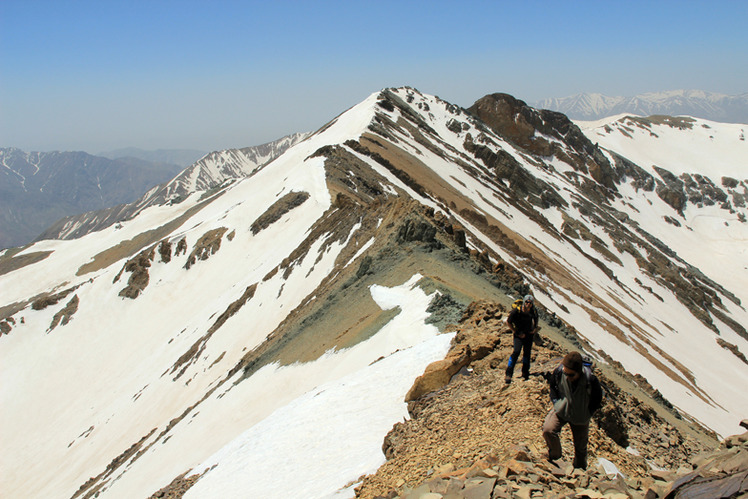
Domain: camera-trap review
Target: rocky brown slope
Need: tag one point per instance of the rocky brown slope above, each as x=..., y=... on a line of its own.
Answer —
x=479, y=437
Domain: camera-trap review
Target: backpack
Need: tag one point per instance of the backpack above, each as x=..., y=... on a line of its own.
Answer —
x=588, y=363
x=517, y=305
x=587, y=367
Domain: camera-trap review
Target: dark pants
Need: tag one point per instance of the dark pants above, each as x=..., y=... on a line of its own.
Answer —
x=579, y=432
x=519, y=345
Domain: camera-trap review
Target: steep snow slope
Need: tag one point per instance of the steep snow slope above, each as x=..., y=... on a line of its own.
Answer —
x=103, y=378
x=711, y=234
x=209, y=172
x=678, y=144
x=185, y=335
x=218, y=166
x=346, y=417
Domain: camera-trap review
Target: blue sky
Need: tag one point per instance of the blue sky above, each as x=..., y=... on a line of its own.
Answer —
x=100, y=75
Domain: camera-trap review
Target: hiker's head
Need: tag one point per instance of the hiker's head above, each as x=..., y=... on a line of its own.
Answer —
x=572, y=365
x=528, y=302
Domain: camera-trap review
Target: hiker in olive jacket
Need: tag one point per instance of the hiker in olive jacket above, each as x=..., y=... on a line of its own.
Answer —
x=576, y=395
x=524, y=324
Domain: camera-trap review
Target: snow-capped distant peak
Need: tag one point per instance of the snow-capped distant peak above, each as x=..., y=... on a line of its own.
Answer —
x=697, y=103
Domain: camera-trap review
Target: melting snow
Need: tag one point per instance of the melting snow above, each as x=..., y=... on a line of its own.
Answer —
x=332, y=434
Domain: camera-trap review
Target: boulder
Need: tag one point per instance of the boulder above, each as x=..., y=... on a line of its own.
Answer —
x=438, y=374
x=468, y=345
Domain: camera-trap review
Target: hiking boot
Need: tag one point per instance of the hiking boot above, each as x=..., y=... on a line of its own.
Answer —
x=508, y=380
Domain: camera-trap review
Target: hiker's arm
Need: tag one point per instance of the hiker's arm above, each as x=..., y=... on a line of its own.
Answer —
x=510, y=321
x=553, y=386
x=596, y=395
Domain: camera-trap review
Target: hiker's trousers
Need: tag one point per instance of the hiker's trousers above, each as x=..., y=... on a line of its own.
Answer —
x=579, y=432
x=519, y=345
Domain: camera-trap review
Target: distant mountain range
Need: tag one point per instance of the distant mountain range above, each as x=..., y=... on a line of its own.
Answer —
x=696, y=103
x=51, y=195
x=37, y=188
x=181, y=157
x=210, y=172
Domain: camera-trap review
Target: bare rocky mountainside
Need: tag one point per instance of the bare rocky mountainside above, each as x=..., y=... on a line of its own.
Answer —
x=273, y=333
x=37, y=188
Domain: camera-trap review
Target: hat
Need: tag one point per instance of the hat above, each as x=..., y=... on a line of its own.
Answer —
x=529, y=298
x=573, y=361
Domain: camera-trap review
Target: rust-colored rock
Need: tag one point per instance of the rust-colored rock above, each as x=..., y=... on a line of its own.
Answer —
x=469, y=345
x=438, y=374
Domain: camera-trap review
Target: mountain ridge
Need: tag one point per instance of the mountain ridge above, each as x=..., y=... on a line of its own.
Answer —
x=279, y=299
x=696, y=103
x=212, y=170
x=465, y=429
x=181, y=157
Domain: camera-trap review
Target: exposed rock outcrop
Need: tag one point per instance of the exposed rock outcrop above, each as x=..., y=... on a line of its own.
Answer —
x=138, y=267
x=49, y=299
x=467, y=347
x=721, y=473
x=535, y=131
x=208, y=244
x=278, y=209
x=63, y=316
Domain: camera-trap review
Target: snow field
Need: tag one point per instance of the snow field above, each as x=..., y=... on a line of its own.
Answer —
x=111, y=368
x=706, y=148
x=710, y=238
x=331, y=433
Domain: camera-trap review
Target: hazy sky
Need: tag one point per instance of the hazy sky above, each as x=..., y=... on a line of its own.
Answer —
x=209, y=75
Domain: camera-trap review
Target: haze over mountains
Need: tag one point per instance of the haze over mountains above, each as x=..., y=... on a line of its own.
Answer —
x=63, y=196
x=181, y=157
x=37, y=188
x=25, y=214
x=695, y=103
x=270, y=323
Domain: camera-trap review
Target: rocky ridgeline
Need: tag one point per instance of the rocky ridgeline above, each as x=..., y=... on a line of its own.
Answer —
x=521, y=474
x=473, y=436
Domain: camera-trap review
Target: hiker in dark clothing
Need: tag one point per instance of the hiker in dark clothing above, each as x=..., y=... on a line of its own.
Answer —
x=576, y=394
x=523, y=323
